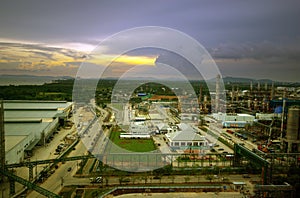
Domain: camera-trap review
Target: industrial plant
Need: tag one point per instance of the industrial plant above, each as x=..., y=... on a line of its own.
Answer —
x=246, y=143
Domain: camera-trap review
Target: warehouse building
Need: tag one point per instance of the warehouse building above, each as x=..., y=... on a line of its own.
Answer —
x=233, y=117
x=31, y=123
x=186, y=137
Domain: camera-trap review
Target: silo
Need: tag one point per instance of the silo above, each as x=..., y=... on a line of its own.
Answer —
x=292, y=138
x=292, y=132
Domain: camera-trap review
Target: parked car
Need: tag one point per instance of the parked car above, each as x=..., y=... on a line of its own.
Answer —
x=96, y=179
x=246, y=176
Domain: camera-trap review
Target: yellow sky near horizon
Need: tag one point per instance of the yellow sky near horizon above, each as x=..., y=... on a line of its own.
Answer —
x=47, y=58
x=111, y=60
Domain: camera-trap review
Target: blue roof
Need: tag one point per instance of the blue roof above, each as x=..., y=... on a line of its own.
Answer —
x=278, y=109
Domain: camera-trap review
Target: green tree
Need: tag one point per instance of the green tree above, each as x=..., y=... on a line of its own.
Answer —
x=187, y=179
x=209, y=177
x=172, y=177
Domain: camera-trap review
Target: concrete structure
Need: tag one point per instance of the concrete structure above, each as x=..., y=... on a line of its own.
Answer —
x=156, y=117
x=185, y=138
x=164, y=128
x=133, y=136
x=233, y=117
x=137, y=129
x=267, y=116
x=28, y=123
x=292, y=139
x=192, y=117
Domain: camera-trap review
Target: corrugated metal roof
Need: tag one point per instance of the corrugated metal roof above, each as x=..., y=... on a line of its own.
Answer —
x=24, y=128
x=188, y=134
x=30, y=114
x=12, y=141
x=19, y=104
x=28, y=119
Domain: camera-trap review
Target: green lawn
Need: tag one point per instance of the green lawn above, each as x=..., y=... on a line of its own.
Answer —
x=118, y=106
x=136, y=145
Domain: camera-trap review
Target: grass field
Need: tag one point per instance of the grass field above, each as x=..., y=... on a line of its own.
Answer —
x=117, y=106
x=140, y=154
x=136, y=145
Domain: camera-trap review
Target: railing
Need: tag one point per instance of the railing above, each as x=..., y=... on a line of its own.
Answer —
x=30, y=185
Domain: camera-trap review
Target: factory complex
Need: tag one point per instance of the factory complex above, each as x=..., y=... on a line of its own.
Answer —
x=31, y=123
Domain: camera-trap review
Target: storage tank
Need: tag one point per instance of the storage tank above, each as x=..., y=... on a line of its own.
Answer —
x=293, y=132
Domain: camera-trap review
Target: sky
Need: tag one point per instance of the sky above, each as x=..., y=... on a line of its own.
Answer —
x=252, y=39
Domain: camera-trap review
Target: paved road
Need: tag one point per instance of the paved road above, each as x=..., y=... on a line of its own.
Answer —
x=41, y=153
x=64, y=174
x=55, y=181
x=177, y=180
x=180, y=195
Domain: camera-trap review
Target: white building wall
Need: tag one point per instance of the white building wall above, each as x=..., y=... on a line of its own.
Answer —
x=238, y=117
x=185, y=144
x=16, y=154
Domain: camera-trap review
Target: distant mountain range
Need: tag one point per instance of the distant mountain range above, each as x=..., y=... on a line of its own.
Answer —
x=246, y=80
x=229, y=79
x=29, y=79
x=37, y=80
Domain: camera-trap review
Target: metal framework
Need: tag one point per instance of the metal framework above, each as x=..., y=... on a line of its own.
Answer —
x=240, y=151
x=56, y=160
x=274, y=190
x=117, y=159
x=28, y=184
x=2, y=139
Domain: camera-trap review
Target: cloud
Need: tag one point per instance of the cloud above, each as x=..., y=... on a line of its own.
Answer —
x=41, y=58
x=38, y=58
x=33, y=67
x=266, y=51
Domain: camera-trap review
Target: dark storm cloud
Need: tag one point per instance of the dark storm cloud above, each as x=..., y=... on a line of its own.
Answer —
x=205, y=20
x=265, y=31
x=178, y=62
x=261, y=51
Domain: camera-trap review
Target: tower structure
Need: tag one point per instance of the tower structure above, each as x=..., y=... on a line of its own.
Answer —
x=200, y=97
x=266, y=86
x=217, y=93
x=272, y=91
x=205, y=103
x=2, y=139
x=232, y=94
x=237, y=94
